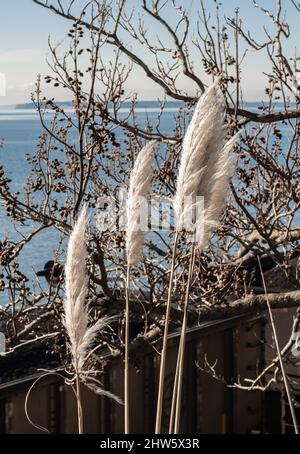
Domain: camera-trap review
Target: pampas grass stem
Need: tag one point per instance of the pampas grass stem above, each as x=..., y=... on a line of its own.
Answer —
x=174, y=396
x=79, y=405
x=126, y=370
x=162, y=370
x=180, y=359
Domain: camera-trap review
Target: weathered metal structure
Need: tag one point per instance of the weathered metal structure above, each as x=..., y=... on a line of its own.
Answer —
x=234, y=345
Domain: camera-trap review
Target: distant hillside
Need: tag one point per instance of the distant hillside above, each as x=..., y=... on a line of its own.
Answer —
x=30, y=105
x=140, y=105
x=7, y=107
x=144, y=105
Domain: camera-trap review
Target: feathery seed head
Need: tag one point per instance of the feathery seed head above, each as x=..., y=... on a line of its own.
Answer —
x=76, y=310
x=205, y=163
x=140, y=182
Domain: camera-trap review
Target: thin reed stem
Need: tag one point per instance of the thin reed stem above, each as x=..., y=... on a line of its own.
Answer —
x=126, y=369
x=174, y=397
x=79, y=405
x=165, y=342
x=181, y=351
x=284, y=375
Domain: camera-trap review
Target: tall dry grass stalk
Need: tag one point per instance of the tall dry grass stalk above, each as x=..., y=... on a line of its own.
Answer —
x=207, y=221
x=197, y=170
x=137, y=207
x=210, y=217
x=163, y=358
x=205, y=170
x=76, y=312
x=284, y=374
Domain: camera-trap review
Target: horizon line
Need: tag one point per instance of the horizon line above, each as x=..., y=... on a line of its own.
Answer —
x=157, y=100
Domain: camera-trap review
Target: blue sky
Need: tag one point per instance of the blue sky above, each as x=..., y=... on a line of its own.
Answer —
x=24, y=33
x=25, y=28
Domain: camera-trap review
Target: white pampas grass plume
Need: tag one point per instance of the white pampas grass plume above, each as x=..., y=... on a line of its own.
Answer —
x=218, y=190
x=205, y=171
x=76, y=312
x=202, y=144
x=140, y=181
x=206, y=165
x=76, y=309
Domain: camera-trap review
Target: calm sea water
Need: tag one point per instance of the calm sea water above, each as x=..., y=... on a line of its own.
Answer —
x=20, y=130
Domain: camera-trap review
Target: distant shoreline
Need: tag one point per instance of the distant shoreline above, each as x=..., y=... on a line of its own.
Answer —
x=140, y=104
x=147, y=104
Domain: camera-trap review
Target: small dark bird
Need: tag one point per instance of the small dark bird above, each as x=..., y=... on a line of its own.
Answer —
x=52, y=272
